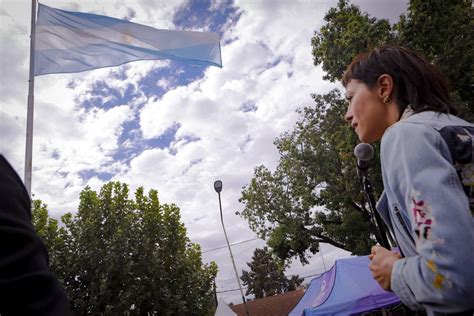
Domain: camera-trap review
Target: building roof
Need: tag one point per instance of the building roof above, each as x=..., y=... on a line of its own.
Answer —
x=276, y=305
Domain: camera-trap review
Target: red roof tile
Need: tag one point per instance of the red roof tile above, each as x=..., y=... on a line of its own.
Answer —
x=276, y=305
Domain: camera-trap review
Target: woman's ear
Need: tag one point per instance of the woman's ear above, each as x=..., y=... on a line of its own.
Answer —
x=385, y=86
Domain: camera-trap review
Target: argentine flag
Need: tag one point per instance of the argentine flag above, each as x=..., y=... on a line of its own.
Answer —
x=73, y=42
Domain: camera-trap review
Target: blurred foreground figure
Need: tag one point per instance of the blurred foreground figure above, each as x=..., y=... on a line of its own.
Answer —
x=427, y=159
x=27, y=285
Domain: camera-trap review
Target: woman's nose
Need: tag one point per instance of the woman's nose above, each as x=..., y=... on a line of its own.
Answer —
x=348, y=116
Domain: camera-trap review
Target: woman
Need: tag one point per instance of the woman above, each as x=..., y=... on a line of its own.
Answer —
x=427, y=165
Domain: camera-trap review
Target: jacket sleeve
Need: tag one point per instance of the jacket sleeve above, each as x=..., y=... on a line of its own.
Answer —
x=417, y=170
x=27, y=285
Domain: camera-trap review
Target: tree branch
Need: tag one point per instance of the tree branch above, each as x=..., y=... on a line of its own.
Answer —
x=331, y=242
x=360, y=209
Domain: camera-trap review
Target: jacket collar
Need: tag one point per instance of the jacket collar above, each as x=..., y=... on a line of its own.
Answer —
x=407, y=113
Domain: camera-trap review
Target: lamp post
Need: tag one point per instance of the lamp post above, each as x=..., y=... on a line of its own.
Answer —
x=218, y=188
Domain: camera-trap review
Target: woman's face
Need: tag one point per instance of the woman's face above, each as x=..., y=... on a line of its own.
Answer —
x=366, y=113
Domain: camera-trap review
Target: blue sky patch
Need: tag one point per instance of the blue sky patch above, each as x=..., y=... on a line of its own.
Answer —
x=199, y=15
x=55, y=154
x=248, y=106
x=177, y=74
x=131, y=141
x=247, y=140
x=191, y=164
x=88, y=174
x=102, y=96
x=164, y=140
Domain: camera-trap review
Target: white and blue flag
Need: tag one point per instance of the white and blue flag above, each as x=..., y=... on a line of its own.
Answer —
x=73, y=42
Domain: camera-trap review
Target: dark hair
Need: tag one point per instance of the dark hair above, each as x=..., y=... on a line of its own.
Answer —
x=417, y=82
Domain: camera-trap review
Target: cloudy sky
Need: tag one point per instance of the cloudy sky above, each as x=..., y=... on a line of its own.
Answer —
x=167, y=126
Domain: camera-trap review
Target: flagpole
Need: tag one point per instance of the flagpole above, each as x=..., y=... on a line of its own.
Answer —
x=31, y=103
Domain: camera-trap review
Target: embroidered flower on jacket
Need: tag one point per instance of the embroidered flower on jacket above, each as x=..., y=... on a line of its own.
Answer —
x=423, y=217
x=424, y=220
x=439, y=281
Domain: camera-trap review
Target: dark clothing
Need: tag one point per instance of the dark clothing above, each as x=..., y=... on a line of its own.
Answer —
x=27, y=285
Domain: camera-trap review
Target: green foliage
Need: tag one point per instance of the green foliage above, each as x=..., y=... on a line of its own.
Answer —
x=346, y=33
x=313, y=195
x=443, y=32
x=121, y=256
x=266, y=276
x=50, y=232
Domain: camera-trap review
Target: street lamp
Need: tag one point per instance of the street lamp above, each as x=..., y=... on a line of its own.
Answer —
x=218, y=188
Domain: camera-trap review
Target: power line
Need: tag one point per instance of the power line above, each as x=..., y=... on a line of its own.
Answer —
x=232, y=290
x=244, y=288
x=237, y=243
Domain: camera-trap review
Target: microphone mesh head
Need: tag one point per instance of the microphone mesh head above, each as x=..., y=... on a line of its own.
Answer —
x=364, y=151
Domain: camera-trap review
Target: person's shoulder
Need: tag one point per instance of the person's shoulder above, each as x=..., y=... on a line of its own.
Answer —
x=424, y=124
x=407, y=130
x=409, y=136
x=437, y=120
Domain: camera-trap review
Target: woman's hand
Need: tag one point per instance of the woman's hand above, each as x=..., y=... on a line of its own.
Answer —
x=381, y=265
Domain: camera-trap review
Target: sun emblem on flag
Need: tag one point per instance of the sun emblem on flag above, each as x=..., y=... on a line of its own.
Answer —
x=127, y=39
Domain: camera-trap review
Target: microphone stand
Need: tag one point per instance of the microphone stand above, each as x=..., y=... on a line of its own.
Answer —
x=379, y=224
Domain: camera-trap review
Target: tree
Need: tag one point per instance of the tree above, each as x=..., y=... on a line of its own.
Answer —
x=442, y=32
x=266, y=276
x=119, y=256
x=50, y=232
x=313, y=195
x=347, y=32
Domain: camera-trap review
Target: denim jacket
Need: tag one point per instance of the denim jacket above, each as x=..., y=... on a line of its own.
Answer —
x=428, y=169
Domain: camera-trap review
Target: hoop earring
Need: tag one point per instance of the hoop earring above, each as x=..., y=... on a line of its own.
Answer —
x=386, y=99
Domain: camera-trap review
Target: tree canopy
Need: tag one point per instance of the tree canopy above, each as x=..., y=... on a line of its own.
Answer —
x=266, y=276
x=443, y=32
x=314, y=194
x=122, y=256
x=348, y=31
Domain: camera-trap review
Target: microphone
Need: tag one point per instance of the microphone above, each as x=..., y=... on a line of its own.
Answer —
x=364, y=153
